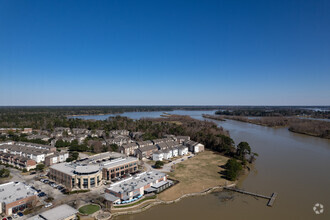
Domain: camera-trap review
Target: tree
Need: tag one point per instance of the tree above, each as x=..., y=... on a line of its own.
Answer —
x=253, y=157
x=243, y=148
x=40, y=167
x=114, y=147
x=233, y=168
x=159, y=164
x=4, y=173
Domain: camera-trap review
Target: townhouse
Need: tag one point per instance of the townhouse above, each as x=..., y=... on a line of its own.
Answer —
x=57, y=157
x=18, y=161
x=146, y=152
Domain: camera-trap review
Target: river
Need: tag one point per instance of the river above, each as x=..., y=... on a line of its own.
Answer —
x=294, y=165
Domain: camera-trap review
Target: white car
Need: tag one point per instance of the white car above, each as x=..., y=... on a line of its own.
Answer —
x=48, y=205
x=15, y=215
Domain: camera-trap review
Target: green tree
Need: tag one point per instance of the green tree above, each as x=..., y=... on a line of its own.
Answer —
x=233, y=168
x=243, y=148
x=159, y=164
x=4, y=173
x=40, y=167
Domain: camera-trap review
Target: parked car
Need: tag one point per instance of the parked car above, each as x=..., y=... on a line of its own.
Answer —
x=9, y=218
x=42, y=194
x=15, y=215
x=20, y=214
x=48, y=205
x=32, y=173
x=60, y=187
x=4, y=219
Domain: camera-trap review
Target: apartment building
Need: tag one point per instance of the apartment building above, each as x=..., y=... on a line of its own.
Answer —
x=18, y=161
x=57, y=157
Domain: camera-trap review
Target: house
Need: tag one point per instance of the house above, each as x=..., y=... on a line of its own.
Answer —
x=36, y=152
x=62, y=212
x=158, y=155
x=144, y=143
x=182, y=150
x=194, y=146
x=62, y=129
x=146, y=152
x=167, y=154
x=56, y=158
x=17, y=161
x=37, y=136
x=129, y=149
x=161, y=140
x=77, y=131
x=175, y=151
x=98, y=133
x=182, y=139
x=119, y=132
x=16, y=196
x=81, y=137
x=136, y=135
x=27, y=131
x=168, y=144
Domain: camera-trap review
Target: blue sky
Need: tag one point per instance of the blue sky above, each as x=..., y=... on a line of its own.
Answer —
x=165, y=52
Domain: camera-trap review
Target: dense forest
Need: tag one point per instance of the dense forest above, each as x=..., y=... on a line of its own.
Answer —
x=317, y=128
x=276, y=111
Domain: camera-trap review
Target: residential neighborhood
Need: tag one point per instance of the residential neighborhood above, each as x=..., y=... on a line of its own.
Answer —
x=116, y=168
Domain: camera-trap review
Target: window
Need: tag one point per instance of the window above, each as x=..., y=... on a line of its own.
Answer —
x=85, y=183
x=92, y=180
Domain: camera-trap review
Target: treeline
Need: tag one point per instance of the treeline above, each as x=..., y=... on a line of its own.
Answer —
x=311, y=127
x=274, y=111
x=41, y=117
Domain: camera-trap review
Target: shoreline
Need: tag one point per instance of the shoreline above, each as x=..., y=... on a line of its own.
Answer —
x=162, y=202
x=265, y=125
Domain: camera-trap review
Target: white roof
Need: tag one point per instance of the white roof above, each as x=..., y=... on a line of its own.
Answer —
x=13, y=191
x=59, y=213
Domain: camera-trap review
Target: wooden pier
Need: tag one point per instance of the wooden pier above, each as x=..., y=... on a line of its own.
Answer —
x=270, y=198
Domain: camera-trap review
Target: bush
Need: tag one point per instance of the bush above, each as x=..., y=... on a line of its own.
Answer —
x=40, y=167
x=4, y=173
x=159, y=164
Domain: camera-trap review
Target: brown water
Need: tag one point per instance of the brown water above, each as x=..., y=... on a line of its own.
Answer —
x=294, y=165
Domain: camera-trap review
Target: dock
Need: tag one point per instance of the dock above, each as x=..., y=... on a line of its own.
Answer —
x=270, y=198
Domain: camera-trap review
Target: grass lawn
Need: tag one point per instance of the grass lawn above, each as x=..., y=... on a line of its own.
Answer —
x=196, y=175
x=89, y=209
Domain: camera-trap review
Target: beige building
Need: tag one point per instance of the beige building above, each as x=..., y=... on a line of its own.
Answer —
x=89, y=173
x=76, y=176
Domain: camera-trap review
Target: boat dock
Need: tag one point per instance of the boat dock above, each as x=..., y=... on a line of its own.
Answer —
x=270, y=198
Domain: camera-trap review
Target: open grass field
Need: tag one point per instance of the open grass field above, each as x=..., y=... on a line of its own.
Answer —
x=89, y=209
x=196, y=175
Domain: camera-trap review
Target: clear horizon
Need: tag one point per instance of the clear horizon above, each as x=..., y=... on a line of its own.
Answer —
x=115, y=53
